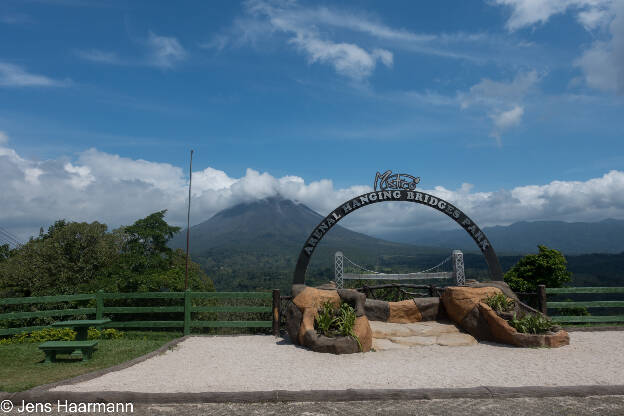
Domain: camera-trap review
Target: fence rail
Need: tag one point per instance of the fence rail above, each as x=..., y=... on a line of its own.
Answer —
x=186, y=309
x=544, y=304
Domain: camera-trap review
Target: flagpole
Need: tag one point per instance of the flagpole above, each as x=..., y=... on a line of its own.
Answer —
x=188, y=222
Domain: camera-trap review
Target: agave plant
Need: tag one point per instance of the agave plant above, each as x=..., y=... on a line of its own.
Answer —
x=346, y=322
x=499, y=303
x=326, y=319
x=532, y=324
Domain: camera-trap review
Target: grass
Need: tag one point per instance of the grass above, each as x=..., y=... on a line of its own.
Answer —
x=22, y=367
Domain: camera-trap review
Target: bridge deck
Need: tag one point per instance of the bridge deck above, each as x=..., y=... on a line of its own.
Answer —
x=406, y=276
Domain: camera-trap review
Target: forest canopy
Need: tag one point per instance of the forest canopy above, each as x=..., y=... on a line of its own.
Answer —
x=80, y=257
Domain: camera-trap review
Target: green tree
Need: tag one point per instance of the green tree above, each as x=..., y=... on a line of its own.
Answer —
x=5, y=252
x=66, y=259
x=146, y=263
x=547, y=267
x=145, y=243
x=77, y=257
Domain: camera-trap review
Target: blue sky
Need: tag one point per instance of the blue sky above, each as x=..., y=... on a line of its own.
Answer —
x=479, y=99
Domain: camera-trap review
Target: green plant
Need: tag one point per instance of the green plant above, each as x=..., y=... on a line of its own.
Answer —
x=108, y=333
x=346, y=322
x=59, y=334
x=547, y=267
x=42, y=335
x=573, y=310
x=331, y=322
x=532, y=324
x=500, y=303
x=326, y=319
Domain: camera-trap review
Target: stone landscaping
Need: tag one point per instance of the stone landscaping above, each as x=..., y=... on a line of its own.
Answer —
x=389, y=336
x=416, y=322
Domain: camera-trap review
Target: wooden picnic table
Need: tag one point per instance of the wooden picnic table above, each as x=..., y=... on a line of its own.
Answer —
x=81, y=326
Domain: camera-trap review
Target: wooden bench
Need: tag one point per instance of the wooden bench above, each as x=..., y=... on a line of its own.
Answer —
x=51, y=348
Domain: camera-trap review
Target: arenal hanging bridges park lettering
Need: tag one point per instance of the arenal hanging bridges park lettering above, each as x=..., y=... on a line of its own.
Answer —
x=397, y=187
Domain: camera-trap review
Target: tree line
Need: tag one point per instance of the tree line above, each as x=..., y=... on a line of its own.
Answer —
x=80, y=257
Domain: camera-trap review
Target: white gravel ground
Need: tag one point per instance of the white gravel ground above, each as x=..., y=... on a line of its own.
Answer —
x=252, y=363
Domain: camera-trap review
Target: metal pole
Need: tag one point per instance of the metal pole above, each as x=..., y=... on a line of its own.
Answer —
x=188, y=222
x=276, y=312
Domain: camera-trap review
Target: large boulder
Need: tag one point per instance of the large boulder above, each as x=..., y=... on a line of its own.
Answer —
x=459, y=301
x=406, y=311
x=505, y=333
x=465, y=306
x=302, y=313
x=377, y=310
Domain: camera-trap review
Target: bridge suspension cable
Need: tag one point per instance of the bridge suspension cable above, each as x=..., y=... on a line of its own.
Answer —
x=6, y=237
x=451, y=267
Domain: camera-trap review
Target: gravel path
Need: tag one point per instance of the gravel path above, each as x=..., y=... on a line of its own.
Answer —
x=529, y=406
x=252, y=363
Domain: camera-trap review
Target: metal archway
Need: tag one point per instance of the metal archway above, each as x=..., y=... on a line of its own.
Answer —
x=422, y=198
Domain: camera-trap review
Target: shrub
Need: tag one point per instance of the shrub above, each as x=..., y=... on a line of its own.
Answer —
x=42, y=335
x=500, y=303
x=59, y=334
x=108, y=333
x=573, y=310
x=548, y=267
x=532, y=324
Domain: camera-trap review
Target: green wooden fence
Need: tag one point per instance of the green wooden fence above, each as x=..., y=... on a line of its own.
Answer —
x=186, y=308
x=544, y=304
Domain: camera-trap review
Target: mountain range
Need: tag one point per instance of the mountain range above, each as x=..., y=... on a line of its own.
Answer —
x=259, y=242
x=255, y=245
x=605, y=236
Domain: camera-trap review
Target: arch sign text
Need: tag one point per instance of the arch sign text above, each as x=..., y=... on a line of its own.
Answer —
x=397, y=187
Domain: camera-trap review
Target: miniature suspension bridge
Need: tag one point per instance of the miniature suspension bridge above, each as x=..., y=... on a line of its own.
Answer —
x=452, y=267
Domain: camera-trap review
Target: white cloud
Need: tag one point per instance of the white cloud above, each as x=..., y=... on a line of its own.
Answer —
x=501, y=100
x=509, y=118
x=494, y=93
x=504, y=120
x=347, y=59
x=99, y=186
x=594, y=18
x=165, y=51
x=80, y=176
x=96, y=55
x=16, y=76
x=529, y=12
x=602, y=63
x=160, y=51
x=355, y=41
x=302, y=28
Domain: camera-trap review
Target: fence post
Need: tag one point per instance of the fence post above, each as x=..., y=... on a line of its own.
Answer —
x=276, y=312
x=187, y=312
x=99, y=304
x=541, y=299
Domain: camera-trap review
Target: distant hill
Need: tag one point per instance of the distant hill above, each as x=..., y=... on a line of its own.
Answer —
x=256, y=244
x=523, y=237
x=275, y=222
